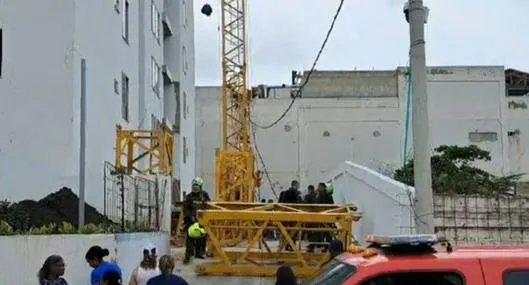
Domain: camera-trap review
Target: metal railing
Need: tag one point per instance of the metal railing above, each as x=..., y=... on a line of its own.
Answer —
x=132, y=202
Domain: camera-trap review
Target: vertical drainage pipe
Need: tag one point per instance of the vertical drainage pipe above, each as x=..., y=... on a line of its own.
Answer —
x=82, y=145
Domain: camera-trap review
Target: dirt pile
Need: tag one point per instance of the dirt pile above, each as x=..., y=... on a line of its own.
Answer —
x=61, y=206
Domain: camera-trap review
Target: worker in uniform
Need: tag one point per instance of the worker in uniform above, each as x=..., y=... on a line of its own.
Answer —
x=195, y=245
x=325, y=192
x=311, y=198
x=291, y=196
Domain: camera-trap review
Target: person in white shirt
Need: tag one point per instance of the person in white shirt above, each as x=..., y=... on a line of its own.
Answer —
x=148, y=267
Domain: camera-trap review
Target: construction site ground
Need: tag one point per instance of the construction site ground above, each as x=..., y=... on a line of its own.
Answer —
x=188, y=272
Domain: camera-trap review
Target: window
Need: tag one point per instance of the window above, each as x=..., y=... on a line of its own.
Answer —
x=184, y=149
x=1, y=51
x=334, y=273
x=125, y=21
x=184, y=105
x=184, y=60
x=125, y=97
x=477, y=137
x=441, y=278
x=516, y=278
x=155, y=21
x=184, y=14
x=155, y=68
x=116, y=86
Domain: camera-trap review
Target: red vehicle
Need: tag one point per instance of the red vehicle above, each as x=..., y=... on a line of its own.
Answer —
x=425, y=259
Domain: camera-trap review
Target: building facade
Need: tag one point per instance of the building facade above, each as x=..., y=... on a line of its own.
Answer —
x=132, y=59
x=361, y=116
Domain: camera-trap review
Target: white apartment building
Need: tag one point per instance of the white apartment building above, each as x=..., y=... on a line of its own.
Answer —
x=133, y=61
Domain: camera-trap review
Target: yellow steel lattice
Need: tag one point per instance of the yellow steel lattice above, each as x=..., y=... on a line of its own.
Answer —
x=144, y=151
x=236, y=176
x=256, y=256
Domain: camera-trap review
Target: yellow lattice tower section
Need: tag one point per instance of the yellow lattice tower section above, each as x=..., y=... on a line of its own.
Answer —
x=236, y=176
x=144, y=152
x=259, y=256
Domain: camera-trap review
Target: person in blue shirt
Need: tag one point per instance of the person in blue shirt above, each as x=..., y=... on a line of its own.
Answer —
x=167, y=265
x=94, y=256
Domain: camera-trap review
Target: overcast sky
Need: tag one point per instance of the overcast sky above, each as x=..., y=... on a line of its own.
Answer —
x=285, y=35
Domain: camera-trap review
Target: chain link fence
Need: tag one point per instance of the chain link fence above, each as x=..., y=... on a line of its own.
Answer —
x=133, y=202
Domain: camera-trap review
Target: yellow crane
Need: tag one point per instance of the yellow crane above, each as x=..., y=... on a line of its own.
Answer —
x=236, y=219
x=236, y=176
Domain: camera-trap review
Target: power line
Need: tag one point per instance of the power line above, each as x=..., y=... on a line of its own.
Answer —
x=299, y=91
x=265, y=170
x=294, y=97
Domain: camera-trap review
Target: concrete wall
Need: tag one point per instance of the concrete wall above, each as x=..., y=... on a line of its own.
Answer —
x=482, y=220
x=41, y=88
x=386, y=207
x=368, y=129
x=518, y=133
x=31, y=251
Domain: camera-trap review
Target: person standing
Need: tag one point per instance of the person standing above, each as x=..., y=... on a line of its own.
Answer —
x=111, y=278
x=167, y=265
x=325, y=192
x=310, y=197
x=285, y=275
x=194, y=246
x=292, y=194
x=148, y=267
x=94, y=257
x=52, y=271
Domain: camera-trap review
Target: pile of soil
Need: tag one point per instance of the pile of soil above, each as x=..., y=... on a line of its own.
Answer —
x=61, y=206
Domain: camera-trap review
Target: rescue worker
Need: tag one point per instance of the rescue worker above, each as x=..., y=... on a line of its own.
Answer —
x=291, y=195
x=325, y=191
x=310, y=197
x=194, y=246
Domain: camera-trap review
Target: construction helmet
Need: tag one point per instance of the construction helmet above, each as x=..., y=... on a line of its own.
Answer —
x=197, y=181
x=329, y=188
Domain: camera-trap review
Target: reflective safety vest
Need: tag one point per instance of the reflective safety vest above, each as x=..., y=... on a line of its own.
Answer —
x=195, y=231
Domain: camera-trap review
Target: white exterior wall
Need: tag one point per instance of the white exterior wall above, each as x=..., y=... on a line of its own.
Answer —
x=367, y=130
x=40, y=90
x=186, y=142
x=31, y=251
x=518, y=144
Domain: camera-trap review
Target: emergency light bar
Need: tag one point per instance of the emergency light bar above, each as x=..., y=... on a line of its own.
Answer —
x=400, y=240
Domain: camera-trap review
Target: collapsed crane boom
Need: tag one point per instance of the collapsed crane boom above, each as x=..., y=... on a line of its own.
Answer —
x=236, y=178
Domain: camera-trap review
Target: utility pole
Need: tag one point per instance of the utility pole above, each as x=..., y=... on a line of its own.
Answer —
x=416, y=15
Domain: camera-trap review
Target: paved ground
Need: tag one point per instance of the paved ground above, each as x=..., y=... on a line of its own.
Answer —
x=188, y=272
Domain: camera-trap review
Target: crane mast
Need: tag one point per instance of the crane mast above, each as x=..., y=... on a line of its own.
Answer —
x=236, y=176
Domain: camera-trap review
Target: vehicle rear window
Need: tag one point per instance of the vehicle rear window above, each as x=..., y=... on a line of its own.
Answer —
x=334, y=273
x=516, y=278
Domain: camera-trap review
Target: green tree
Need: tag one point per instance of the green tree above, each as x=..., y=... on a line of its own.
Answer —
x=453, y=171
